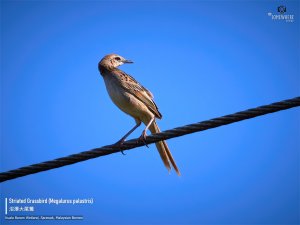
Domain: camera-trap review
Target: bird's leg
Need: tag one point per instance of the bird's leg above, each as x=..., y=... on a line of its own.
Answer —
x=142, y=138
x=121, y=141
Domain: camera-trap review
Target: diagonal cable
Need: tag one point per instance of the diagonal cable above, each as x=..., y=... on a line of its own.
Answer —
x=133, y=143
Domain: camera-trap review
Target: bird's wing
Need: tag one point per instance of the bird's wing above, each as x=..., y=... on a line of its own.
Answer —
x=140, y=92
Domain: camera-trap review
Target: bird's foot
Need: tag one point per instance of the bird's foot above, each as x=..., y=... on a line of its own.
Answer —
x=119, y=144
x=142, y=138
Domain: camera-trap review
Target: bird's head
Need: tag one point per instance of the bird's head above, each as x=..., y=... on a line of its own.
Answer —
x=112, y=61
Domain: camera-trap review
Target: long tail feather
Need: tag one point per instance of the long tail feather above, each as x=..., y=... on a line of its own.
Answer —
x=164, y=150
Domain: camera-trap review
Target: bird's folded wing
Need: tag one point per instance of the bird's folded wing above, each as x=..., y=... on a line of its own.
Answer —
x=140, y=92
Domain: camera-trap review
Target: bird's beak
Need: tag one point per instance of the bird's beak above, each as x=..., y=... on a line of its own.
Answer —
x=127, y=61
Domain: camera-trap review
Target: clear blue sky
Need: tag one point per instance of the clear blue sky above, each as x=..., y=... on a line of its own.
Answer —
x=201, y=60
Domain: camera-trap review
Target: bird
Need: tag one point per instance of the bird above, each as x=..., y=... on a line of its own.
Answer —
x=135, y=100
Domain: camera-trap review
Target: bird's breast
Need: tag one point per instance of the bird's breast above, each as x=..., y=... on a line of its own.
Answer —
x=125, y=100
x=116, y=92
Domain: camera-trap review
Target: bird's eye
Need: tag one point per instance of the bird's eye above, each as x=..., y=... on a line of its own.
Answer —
x=118, y=58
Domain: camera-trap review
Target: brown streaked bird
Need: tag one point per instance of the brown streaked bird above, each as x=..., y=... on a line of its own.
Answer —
x=135, y=100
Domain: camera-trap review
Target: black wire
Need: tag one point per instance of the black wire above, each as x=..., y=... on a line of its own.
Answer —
x=168, y=134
